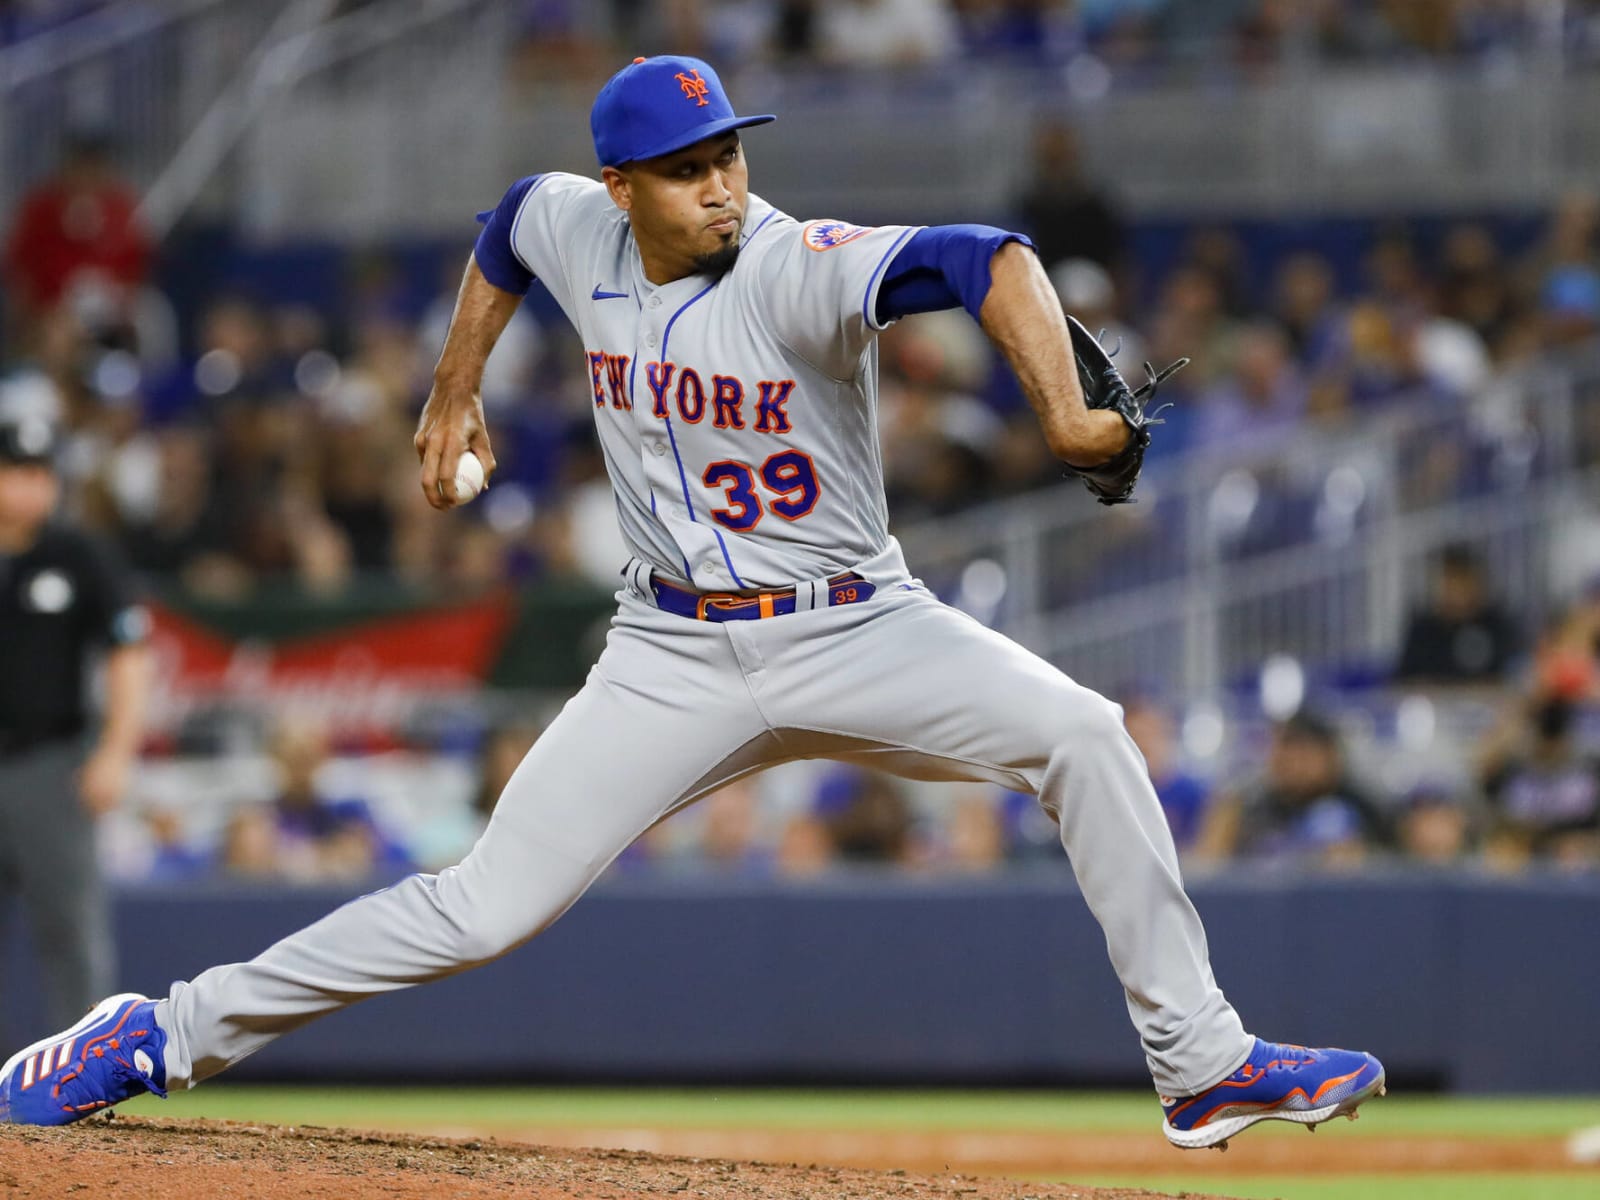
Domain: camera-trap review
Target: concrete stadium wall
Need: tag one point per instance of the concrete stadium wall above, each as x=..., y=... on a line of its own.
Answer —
x=1471, y=984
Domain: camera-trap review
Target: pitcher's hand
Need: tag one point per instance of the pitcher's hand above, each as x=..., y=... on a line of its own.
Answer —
x=451, y=424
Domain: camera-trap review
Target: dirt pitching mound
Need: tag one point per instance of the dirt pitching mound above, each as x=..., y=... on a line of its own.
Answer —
x=208, y=1160
x=1271, y=1150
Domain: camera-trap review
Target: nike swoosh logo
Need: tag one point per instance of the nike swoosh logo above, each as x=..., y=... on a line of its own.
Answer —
x=600, y=293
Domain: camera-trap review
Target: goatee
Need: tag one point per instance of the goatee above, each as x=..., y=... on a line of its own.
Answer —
x=719, y=262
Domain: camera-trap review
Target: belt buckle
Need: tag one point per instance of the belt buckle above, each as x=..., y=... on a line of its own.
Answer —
x=847, y=587
x=725, y=603
x=733, y=606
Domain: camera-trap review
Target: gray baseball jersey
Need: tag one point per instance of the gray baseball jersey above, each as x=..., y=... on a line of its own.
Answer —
x=737, y=418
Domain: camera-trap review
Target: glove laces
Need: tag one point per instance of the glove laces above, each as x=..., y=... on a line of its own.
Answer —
x=1136, y=400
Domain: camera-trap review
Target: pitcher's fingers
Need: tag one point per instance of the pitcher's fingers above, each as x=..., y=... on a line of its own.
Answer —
x=431, y=455
x=449, y=460
x=478, y=443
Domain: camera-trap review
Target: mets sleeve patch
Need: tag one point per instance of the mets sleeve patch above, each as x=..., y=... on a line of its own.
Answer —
x=825, y=235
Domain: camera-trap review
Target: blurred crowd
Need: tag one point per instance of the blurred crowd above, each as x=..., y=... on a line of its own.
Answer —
x=570, y=34
x=1284, y=344
x=1300, y=795
x=201, y=446
x=269, y=444
x=1127, y=35
x=1482, y=752
x=1511, y=783
x=264, y=445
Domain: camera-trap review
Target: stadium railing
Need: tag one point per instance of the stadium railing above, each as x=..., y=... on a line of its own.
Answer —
x=365, y=135
x=1314, y=548
x=141, y=74
x=1316, y=139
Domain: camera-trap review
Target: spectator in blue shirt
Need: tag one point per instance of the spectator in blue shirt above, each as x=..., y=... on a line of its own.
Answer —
x=1305, y=807
x=1183, y=795
x=323, y=836
x=1543, y=787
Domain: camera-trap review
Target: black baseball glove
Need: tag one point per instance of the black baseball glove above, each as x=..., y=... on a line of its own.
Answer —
x=1112, y=481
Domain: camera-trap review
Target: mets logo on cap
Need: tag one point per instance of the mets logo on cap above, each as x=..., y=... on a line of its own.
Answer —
x=694, y=88
x=825, y=235
x=661, y=105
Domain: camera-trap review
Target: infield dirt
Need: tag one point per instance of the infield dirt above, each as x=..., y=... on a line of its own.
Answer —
x=205, y=1160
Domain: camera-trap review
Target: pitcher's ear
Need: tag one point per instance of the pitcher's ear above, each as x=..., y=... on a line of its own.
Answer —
x=619, y=186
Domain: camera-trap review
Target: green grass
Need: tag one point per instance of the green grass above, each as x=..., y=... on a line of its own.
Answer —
x=506, y=1108
x=1483, y=1186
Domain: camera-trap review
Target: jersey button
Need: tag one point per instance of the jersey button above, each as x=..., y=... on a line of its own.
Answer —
x=651, y=340
x=655, y=301
x=658, y=448
x=711, y=567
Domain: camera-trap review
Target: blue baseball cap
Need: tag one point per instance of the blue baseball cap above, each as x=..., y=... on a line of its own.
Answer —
x=658, y=105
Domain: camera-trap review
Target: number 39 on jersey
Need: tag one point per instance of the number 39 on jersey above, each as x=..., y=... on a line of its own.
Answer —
x=789, y=478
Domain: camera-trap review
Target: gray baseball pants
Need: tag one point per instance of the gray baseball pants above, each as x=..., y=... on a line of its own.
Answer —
x=901, y=682
x=47, y=859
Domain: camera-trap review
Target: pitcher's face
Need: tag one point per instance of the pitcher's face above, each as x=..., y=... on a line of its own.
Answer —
x=686, y=208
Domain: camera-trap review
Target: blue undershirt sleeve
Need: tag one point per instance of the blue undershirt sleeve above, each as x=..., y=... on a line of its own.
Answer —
x=943, y=266
x=493, y=252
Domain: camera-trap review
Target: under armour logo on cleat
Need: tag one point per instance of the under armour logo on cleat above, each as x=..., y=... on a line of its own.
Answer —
x=600, y=293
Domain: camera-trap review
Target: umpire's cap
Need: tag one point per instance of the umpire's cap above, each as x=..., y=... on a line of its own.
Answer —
x=660, y=105
x=26, y=440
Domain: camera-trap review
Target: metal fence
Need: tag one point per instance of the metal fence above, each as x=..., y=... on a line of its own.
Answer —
x=1315, y=549
x=907, y=146
x=144, y=73
x=395, y=117
x=193, y=94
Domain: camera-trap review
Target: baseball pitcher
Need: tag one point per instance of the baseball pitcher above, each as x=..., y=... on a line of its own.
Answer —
x=766, y=613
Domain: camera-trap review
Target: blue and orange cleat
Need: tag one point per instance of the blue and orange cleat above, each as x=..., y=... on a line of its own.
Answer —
x=112, y=1055
x=1276, y=1083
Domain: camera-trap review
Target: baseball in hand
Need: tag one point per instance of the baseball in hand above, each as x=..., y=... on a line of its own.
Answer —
x=469, y=477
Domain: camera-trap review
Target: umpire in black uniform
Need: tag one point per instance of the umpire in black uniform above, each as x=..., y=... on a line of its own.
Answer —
x=62, y=598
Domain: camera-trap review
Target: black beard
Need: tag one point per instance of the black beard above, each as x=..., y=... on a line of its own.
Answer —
x=719, y=262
